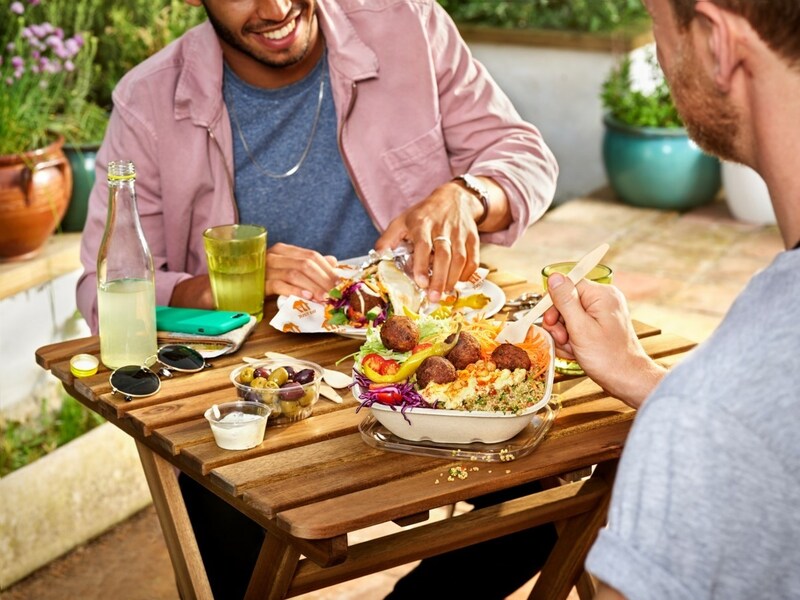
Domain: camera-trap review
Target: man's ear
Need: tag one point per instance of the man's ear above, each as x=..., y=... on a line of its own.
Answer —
x=720, y=29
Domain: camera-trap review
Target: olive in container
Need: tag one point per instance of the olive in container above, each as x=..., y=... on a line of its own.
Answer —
x=290, y=387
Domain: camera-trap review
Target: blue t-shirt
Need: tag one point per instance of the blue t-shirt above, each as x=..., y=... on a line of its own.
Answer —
x=316, y=207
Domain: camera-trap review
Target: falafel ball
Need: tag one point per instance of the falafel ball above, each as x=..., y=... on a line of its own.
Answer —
x=509, y=356
x=466, y=351
x=363, y=299
x=399, y=333
x=435, y=369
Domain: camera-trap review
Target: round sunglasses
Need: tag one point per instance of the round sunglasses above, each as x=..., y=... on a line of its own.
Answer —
x=134, y=381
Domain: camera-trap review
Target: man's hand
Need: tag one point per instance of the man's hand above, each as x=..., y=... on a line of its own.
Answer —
x=445, y=237
x=290, y=270
x=193, y=293
x=591, y=323
x=300, y=272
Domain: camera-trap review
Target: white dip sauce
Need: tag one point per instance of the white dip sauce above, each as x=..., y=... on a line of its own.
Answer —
x=239, y=431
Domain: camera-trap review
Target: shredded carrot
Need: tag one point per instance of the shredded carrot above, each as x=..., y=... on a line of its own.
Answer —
x=538, y=350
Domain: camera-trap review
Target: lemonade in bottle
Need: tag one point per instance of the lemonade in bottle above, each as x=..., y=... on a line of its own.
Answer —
x=126, y=296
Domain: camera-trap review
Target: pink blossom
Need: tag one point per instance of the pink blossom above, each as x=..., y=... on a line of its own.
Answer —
x=17, y=8
x=72, y=46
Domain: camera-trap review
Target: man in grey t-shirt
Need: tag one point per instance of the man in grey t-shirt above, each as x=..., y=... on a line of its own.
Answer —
x=705, y=499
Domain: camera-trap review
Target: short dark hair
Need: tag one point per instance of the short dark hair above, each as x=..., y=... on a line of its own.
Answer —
x=777, y=22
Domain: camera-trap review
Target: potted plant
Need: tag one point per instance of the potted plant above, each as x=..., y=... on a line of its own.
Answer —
x=39, y=65
x=649, y=159
x=126, y=34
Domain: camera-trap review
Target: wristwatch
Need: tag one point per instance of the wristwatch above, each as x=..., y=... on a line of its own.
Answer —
x=475, y=185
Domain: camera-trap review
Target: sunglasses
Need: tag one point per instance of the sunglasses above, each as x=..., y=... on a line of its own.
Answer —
x=133, y=381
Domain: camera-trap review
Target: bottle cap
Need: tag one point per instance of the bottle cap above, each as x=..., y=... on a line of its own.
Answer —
x=83, y=365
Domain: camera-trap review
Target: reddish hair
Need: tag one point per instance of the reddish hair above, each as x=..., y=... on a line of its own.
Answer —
x=777, y=22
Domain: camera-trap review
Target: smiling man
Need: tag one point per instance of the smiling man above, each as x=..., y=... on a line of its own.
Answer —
x=339, y=125
x=705, y=499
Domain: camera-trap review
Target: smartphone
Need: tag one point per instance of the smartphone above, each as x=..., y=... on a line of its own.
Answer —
x=198, y=321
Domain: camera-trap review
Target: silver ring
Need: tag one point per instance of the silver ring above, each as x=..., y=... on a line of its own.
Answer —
x=441, y=238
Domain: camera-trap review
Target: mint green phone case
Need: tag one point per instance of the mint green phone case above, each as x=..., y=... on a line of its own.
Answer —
x=198, y=321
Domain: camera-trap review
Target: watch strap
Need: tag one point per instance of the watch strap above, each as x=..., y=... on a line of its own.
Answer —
x=476, y=186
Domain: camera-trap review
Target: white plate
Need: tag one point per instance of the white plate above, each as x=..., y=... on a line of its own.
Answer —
x=458, y=426
x=497, y=300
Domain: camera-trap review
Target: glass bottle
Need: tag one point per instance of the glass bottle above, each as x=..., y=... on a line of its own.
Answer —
x=126, y=296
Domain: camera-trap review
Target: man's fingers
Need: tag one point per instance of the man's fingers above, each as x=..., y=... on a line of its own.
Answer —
x=393, y=235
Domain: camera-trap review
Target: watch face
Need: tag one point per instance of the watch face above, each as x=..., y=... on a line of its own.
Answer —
x=475, y=184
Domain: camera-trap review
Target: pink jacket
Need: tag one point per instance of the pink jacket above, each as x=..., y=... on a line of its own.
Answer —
x=414, y=110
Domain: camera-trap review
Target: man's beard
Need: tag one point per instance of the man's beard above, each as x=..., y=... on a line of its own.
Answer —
x=709, y=118
x=228, y=37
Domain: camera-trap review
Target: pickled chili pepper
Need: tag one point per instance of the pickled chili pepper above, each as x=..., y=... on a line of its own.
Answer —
x=408, y=368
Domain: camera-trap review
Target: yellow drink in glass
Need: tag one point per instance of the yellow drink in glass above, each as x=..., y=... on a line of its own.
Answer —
x=236, y=266
x=600, y=274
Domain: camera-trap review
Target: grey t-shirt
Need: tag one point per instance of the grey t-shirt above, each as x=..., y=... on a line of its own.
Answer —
x=316, y=207
x=706, y=502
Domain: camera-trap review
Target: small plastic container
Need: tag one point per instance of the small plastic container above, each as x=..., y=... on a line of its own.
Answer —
x=291, y=399
x=83, y=365
x=238, y=425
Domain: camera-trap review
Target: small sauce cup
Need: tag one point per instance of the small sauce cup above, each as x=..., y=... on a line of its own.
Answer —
x=238, y=425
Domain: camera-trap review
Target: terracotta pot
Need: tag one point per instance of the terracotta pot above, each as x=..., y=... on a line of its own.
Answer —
x=34, y=192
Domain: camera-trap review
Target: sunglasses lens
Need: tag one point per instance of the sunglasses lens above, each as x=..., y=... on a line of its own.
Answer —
x=135, y=382
x=181, y=358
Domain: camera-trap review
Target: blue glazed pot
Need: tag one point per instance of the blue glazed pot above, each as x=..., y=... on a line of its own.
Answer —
x=658, y=167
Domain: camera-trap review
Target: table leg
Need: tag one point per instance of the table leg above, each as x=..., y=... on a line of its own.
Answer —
x=274, y=569
x=190, y=574
x=564, y=568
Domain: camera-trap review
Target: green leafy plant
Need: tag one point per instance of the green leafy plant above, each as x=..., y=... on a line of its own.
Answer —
x=22, y=442
x=45, y=76
x=573, y=15
x=130, y=32
x=641, y=98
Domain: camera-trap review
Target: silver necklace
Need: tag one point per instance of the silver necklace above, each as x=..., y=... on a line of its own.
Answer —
x=303, y=156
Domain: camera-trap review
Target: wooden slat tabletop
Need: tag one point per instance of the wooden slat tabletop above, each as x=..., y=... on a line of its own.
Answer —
x=316, y=479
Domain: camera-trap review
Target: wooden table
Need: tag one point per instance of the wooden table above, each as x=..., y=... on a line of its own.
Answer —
x=311, y=483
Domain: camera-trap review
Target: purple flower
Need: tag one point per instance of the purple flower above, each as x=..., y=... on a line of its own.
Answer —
x=48, y=28
x=38, y=30
x=78, y=39
x=17, y=62
x=9, y=81
x=17, y=8
x=72, y=47
x=59, y=33
x=69, y=66
x=11, y=46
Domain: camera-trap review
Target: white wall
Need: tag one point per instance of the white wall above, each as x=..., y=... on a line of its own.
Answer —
x=29, y=320
x=559, y=92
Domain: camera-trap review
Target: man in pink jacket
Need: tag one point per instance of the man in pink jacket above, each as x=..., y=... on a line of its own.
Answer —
x=339, y=125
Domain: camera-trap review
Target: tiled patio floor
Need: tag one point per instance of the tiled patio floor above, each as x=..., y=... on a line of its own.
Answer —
x=679, y=272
